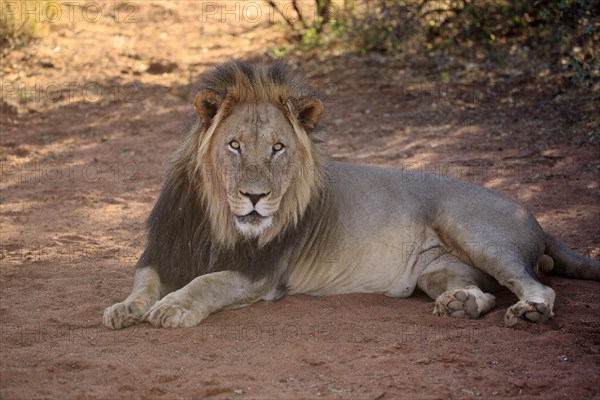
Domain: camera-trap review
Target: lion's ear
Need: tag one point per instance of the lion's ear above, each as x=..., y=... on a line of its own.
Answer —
x=310, y=111
x=206, y=104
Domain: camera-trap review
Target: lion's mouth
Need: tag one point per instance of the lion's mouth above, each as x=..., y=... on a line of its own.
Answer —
x=252, y=224
x=253, y=218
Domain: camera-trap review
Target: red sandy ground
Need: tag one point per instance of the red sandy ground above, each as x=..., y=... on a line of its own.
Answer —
x=82, y=171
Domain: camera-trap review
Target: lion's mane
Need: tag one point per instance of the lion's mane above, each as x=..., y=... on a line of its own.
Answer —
x=191, y=230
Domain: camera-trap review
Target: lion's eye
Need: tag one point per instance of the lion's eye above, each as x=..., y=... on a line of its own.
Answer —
x=234, y=145
x=277, y=147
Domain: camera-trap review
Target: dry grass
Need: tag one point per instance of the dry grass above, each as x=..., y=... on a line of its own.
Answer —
x=20, y=22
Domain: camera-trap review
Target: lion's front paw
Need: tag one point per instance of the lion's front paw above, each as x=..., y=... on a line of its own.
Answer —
x=530, y=311
x=127, y=313
x=469, y=302
x=171, y=313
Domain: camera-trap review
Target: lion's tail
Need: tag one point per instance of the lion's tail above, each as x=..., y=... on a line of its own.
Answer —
x=566, y=262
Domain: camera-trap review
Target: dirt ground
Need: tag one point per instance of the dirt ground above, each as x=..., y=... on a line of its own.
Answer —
x=91, y=113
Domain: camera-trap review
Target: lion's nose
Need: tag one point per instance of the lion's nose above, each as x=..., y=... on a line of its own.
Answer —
x=254, y=197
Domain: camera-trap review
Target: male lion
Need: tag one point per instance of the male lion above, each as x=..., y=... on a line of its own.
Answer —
x=250, y=210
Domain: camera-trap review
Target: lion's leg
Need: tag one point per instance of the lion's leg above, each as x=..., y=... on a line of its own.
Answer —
x=146, y=291
x=205, y=295
x=456, y=288
x=536, y=300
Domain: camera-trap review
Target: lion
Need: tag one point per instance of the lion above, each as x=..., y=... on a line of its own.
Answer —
x=251, y=209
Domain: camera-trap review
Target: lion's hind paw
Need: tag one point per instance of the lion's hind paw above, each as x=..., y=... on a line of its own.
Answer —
x=469, y=302
x=529, y=310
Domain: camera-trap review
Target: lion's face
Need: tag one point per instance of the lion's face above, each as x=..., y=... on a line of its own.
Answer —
x=255, y=147
x=258, y=157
